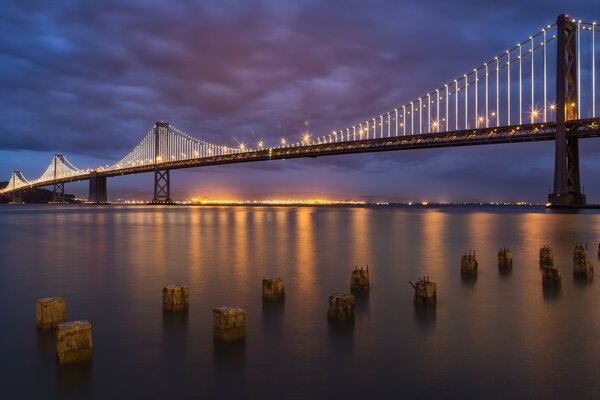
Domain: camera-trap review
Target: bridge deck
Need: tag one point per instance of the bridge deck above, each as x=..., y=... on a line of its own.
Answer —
x=472, y=137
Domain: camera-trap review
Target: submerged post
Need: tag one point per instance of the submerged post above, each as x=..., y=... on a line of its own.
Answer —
x=162, y=177
x=582, y=267
x=425, y=291
x=505, y=259
x=567, y=186
x=359, y=280
x=468, y=263
x=546, y=257
x=74, y=342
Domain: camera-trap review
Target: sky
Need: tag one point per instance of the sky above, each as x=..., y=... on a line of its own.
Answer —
x=88, y=79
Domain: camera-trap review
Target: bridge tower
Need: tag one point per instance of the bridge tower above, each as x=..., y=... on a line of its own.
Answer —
x=16, y=194
x=59, y=188
x=567, y=184
x=162, y=178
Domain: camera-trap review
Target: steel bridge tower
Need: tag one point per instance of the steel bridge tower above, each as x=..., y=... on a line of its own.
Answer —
x=567, y=184
x=162, y=181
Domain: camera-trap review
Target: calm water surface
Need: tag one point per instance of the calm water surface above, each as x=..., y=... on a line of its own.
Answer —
x=501, y=336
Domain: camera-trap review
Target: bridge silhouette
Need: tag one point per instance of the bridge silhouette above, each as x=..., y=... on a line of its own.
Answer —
x=537, y=90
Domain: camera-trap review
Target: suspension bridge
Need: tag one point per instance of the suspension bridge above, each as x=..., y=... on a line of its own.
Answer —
x=544, y=88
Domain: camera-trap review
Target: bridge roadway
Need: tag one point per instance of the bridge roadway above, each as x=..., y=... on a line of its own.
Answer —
x=584, y=128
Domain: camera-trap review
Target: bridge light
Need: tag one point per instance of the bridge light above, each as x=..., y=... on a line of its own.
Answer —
x=283, y=141
x=260, y=144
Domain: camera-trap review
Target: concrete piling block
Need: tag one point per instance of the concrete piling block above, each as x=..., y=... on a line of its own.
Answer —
x=74, y=342
x=505, y=259
x=273, y=289
x=550, y=276
x=176, y=297
x=341, y=307
x=229, y=323
x=425, y=291
x=468, y=263
x=546, y=257
x=359, y=279
x=50, y=311
x=582, y=267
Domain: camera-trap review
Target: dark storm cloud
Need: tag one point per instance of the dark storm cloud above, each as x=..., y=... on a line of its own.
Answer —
x=89, y=78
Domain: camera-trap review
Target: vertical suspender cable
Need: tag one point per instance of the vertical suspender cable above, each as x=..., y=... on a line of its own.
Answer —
x=487, y=106
x=520, y=84
x=532, y=84
x=508, y=85
x=544, y=45
x=476, y=98
x=428, y=113
x=466, y=101
x=593, y=71
x=456, y=104
x=404, y=120
x=412, y=119
x=579, y=69
x=420, y=115
x=497, y=92
x=447, y=120
x=437, y=105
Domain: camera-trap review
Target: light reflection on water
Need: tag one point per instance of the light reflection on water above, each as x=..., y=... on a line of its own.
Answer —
x=499, y=336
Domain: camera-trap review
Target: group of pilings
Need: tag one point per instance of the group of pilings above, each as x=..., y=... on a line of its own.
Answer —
x=74, y=338
x=582, y=267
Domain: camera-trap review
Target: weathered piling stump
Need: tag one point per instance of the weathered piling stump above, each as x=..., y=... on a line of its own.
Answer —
x=468, y=264
x=50, y=311
x=175, y=297
x=74, y=342
x=546, y=257
x=273, y=289
x=341, y=307
x=425, y=291
x=550, y=276
x=229, y=323
x=582, y=267
x=359, y=279
x=598, y=250
x=505, y=259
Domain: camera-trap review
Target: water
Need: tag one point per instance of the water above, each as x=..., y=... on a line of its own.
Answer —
x=502, y=336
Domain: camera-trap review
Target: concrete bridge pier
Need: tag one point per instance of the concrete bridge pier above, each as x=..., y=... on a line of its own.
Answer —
x=97, y=193
x=16, y=197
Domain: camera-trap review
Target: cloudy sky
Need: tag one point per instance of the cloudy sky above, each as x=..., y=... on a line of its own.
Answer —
x=89, y=78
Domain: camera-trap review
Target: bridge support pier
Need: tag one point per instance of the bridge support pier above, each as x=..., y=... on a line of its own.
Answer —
x=16, y=197
x=97, y=193
x=59, y=194
x=567, y=184
x=162, y=177
x=162, y=187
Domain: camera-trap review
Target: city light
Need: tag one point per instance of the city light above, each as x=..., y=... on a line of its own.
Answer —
x=277, y=202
